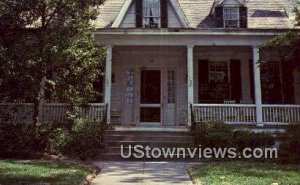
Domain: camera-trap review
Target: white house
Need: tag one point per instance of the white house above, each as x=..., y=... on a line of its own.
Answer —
x=169, y=61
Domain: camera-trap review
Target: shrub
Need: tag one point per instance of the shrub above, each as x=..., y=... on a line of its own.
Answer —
x=246, y=139
x=219, y=134
x=23, y=140
x=82, y=140
x=289, y=150
x=213, y=134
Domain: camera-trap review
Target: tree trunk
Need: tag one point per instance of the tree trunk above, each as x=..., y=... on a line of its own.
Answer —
x=38, y=104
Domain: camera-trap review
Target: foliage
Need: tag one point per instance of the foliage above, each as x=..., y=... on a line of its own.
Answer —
x=289, y=150
x=244, y=174
x=48, y=48
x=82, y=140
x=245, y=139
x=213, y=134
x=219, y=134
x=22, y=141
x=78, y=139
x=285, y=46
x=44, y=172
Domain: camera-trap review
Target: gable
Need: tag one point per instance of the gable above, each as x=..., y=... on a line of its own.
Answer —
x=128, y=20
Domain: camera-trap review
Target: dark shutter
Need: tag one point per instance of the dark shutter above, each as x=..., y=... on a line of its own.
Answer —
x=243, y=17
x=288, y=82
x=139, y=13
x=203, y=71
x=251, y=75
x=203, y=81
x=235, y=80
x=219, y=16
x=164, y=13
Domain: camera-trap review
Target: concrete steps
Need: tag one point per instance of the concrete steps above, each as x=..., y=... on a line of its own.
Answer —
x=113, y=141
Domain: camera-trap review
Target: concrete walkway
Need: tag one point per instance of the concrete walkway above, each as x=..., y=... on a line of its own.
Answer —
x=143, y=173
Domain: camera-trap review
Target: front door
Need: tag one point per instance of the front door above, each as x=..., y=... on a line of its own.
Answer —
x=150, y=99
x=158, y=97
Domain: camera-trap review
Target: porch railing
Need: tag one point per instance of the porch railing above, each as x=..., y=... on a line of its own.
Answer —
x=281, y=113
x=50, y=112
x=16, y=113
x=229, y=113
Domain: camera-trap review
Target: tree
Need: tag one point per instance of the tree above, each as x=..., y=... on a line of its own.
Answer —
x=286, y=46
x=48, y=46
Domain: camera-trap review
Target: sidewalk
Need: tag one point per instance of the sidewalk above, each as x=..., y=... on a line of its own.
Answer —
x=143, y=173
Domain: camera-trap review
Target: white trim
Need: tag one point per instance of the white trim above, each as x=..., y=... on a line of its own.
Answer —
x=190, y=81
x=117, y=22
x=257, y=87
x=190, y=32
x=108, y=73
x=150, y=105
x=180, y=14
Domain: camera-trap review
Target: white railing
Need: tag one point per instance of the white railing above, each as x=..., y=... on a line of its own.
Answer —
x=16, y=113
x=51, y=112
x=228, y=113
x=281, y=113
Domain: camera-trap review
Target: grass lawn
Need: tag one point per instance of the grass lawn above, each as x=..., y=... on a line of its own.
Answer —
x=242, y=173
x=21, y=171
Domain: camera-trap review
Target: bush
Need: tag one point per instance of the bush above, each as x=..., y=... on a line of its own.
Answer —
x=289, y=150
x=80, y=139
x=213, y=134
x=219, y=134
x=23, y=140
x=246, y=139
x=83, y=140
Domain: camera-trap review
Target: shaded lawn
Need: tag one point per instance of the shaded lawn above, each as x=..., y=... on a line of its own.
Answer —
x=21, y=171
x=242, y=173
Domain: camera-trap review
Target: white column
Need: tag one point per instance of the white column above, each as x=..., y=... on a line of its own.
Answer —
x=108, y=74
x=257, y=86
x=190, y=81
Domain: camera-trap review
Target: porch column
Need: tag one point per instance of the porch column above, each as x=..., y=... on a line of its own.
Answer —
x=108, y=73
x=257, y=86
x=190, y=81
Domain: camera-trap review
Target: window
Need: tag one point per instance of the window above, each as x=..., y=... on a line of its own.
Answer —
x=231, y=17
x=218, y=72
x=171, y=86
x=151, y=14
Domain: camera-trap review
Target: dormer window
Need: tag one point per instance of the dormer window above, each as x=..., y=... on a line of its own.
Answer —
x=231, y=17
x=151, y=13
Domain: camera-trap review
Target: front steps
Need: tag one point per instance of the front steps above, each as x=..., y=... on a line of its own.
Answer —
x=113, y=140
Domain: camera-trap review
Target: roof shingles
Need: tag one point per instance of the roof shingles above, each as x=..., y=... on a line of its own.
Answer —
x=262, y=14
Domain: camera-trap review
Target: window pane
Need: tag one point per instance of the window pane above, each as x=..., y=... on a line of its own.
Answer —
x=150, y=114
x=231, y=17
x=151, y=13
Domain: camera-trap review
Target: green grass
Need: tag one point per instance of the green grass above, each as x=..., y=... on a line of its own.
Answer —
x=242, y=173
x=20, y=171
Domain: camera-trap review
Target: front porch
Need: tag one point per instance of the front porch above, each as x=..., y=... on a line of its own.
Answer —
x=210, y=83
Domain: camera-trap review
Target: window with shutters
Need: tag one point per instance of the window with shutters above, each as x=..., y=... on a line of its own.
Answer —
x=231, y=17
x=151, y=14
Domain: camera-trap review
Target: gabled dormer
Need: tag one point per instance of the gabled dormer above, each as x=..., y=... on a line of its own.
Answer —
x=231, y=14
x=151, y=14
